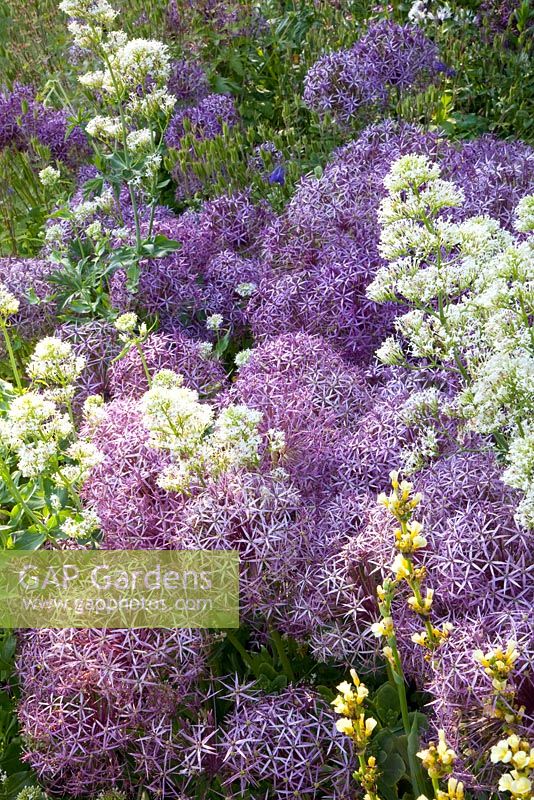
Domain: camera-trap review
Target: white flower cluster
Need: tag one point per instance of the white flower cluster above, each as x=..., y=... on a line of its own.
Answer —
x=130, y=84
x=470, y=286
x=36, y=430
x=55, y=367
x=200, y=444
x=9, y=304
x=49, y=176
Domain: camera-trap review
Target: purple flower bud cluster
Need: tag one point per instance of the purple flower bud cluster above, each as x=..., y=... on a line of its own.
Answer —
x=205, y=120
x=386, y=62
x=23, y=119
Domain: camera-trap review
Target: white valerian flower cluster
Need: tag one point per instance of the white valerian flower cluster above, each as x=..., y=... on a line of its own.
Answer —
x=54, y=366
x=129, y=85
x=200, y=444
x=36, y=429
x=214, y=322
x=243, y=357
x=470, y=288
x=9, y=304
x=245, y=289
x=82, y=526
x=49, y=176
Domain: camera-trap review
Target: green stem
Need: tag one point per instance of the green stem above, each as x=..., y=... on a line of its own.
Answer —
x=6, y=474
x=11, y=354
x=282, y=655
x=143, y=362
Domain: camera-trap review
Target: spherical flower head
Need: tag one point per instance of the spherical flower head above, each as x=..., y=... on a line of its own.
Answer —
x=53, y=362
x=83, y=526
x=214, y=322
x=49, y=176
x=524, y=214
x=243, y=357
x=409, y=172
x=245, y=289
x=9, y=304
x=126, y=323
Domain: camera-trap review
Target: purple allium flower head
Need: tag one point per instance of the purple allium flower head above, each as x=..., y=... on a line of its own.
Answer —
x=495, y=175
x=22, y=118
x=89, y=697
x=167, y=350
x=127, y=480
x=265, y=519
x=187, y=81
x=27, y=278
x=205, y=120
x=288, y=740
x=97, y=342
x=304, y=388
x=388, y=59
x=219, y=250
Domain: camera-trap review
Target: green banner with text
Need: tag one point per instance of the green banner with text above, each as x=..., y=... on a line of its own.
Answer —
x=119, y=589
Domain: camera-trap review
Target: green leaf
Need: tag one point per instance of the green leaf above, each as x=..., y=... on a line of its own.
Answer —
x=387, y=703
x=391, y=770
x=29, y=541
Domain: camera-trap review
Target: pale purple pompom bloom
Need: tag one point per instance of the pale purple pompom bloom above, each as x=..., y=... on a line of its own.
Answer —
x=167, y=350
x=304, y=388
x=97, y=341
x=89, y=697
x=127, y=480
x=387, y=61
x=205, y=120
x=290, y=741
x=22, y=119
x=219, y=250
x=264, y=519
x=27, y=279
